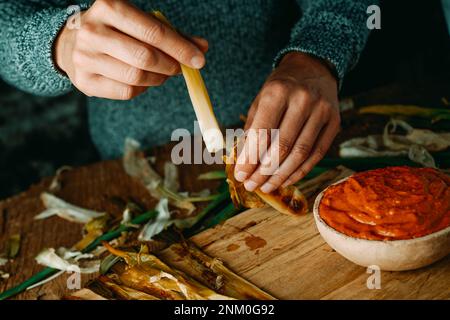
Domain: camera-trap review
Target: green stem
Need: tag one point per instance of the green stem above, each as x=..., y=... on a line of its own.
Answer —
x=219, y=199
x=41, y=275
x=47, y=272
x=122, y=228
x=211, y=208
x=226, y=213
x=442, y=159
x=222, y=211
x=170, y=194
x=202, y=199
x=212, y=175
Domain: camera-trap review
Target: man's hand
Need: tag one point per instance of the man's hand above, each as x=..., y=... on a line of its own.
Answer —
x=300, y=99
x=120, y=51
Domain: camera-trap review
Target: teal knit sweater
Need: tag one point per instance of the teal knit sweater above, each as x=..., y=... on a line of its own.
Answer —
x=246, y=37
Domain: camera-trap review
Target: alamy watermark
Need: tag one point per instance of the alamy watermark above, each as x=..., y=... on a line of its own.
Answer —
x=374, y=20
x=74, y=20
x=74, y=280
x=374, y=281
x=253, y=146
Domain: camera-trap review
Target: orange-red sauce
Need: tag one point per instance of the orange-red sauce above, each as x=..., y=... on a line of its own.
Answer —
x=389, y=204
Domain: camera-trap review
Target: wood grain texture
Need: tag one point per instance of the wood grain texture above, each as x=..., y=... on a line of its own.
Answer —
x=283, y=255
x=295, y=262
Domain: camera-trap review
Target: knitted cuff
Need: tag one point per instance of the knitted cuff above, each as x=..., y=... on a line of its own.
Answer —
x=327, y=33
x=35, y=51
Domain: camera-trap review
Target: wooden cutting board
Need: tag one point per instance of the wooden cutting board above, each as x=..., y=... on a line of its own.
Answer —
x=288, y=258
x=283, y=255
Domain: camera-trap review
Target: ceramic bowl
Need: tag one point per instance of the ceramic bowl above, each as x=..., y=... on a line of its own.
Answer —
x=392, y=255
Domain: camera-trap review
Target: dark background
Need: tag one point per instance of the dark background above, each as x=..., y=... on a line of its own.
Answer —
x=407, y=61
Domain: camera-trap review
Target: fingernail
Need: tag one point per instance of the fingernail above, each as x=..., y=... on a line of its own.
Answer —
x=241, y=176
x=267, y=187
x=250, y=185
x=197, y=61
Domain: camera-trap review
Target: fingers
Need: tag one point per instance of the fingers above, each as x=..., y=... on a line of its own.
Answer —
x=117, y=70
x=201, y=43
x=271, y=107
x=300, y=151
x=291, y=124
x=324, y=142
x=131, y=49
x=99, y=86
x=251, y=114
x=308, y=127
x=148, y=29
x=128, y=50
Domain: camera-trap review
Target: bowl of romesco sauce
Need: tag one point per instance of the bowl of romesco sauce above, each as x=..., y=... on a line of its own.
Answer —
x=397, y=218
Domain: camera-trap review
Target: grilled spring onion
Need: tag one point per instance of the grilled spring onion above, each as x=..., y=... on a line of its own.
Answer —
x=145, y=272
x=212, y=207
x=223, y=214
x=123, y=292
x=211, y=272
x=92, y=230
x=201, y=102
x=288, y=200
x=65, y=210
x=84, y=294
x=136, y=165
x=47, y=272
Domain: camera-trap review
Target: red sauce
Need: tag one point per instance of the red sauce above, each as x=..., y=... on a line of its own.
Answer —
x=389, y=204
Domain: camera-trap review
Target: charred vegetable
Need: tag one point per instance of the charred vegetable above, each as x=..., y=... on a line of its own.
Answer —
x=145, y=272
x=287, y=200
x=211, y=272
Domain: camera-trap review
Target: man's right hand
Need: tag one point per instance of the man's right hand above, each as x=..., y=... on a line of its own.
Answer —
x=120, y=51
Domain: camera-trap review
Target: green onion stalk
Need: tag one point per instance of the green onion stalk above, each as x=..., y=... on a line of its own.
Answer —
x=48, y=272
x=219, y=209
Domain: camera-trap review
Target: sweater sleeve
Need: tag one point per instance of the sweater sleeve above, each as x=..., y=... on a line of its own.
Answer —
x=28, y=30
x=333, y=30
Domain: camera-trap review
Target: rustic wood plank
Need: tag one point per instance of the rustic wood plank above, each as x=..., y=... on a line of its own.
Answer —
x=431, y=282
x=294, y=262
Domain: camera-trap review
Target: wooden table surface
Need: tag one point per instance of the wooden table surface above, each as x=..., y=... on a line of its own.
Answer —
x=289, y=259
x=283, y=255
